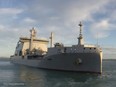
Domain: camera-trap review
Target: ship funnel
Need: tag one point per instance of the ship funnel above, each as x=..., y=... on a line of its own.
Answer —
x=80, y=38
x=51, y=40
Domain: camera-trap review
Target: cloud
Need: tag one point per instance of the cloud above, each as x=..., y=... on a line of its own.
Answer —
x=8, y=33
x=65, y=16
x=10, y=11
x=101, y=29
x=1, y=28
x=29, y=20
x=104, y=25
x=81, y=11
x=9, y=15
x=58, y=16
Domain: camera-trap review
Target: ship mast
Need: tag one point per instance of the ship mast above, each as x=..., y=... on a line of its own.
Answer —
x=32, y=37
x=51, y=40
x=80, y=38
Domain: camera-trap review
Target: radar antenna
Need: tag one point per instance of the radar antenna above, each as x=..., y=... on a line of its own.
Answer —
x=80, y=29
x=80, y=38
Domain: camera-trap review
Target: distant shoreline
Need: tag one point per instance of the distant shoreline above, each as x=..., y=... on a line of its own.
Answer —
x=4, y=59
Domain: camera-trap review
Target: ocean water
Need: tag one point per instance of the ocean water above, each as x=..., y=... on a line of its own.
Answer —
x=13, y=75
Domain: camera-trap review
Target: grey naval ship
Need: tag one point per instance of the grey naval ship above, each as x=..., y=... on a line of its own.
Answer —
x=36, y=53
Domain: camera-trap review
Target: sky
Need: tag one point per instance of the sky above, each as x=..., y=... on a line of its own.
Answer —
x=61, y=17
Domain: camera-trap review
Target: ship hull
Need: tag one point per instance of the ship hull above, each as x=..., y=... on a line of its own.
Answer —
x=79, y=62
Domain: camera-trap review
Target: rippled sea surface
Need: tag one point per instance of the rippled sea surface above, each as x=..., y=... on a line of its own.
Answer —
x=13, y=75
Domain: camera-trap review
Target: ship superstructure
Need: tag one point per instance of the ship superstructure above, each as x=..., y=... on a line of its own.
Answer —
x=79, y=57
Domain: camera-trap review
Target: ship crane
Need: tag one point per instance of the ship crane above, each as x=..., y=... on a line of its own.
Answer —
x=32, y=37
